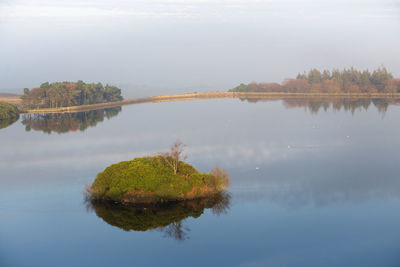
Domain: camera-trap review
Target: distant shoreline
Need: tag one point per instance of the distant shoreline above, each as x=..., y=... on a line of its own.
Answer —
x=15, y=99
x=10, y=98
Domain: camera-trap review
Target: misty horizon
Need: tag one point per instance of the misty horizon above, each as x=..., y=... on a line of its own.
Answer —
x=173, y=46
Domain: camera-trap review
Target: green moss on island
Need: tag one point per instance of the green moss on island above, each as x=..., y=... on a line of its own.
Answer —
x=152, y=180
x=8, y=114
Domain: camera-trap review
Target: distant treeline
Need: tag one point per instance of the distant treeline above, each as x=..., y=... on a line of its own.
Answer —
x=333, y=82
x=65, y=94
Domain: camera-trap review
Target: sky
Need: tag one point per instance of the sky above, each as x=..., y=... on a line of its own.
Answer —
x=174, y=46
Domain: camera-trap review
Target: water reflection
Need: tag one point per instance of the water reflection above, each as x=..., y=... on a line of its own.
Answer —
x=314, y=105
x=293, y=190
x=7, y=122
x=70, y=122
x=166, y=218
x=67, y=122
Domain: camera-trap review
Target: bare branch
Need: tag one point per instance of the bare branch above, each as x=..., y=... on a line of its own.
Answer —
x=174, y=155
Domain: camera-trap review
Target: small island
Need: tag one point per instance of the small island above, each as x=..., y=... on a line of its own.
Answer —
x=8, y=114
x=156, y=179
x=68, y=94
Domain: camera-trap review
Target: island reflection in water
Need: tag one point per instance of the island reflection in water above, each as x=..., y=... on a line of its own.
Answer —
x=71, y=122
x=167, y=218
x=314, y=105
x=67, y=122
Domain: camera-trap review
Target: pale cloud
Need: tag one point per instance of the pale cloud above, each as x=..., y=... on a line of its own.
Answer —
x=286, y=9
x=92, y=153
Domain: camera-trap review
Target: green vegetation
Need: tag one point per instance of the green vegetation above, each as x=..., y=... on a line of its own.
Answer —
x=8, y=111
x=152, y=179
x=8, y=114
x=162, y=191
x=67, y=122
x=333, y=82
x=65, y=94
x=165, y=217
x=161, y=178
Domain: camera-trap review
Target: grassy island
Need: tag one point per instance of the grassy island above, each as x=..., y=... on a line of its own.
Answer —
x=8, y=114
x=151, y=179
x=160, y=178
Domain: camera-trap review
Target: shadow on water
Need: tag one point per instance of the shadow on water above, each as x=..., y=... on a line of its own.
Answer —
x=67, y=122
x=166, y=218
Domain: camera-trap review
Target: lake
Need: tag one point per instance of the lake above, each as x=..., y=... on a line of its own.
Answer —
x=313, y=183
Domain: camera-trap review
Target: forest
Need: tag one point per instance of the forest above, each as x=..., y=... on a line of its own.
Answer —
x=332, y=82
x=65, y=94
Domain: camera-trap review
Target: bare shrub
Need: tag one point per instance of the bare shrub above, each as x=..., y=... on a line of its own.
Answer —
x=88, y=192
x=220, y=178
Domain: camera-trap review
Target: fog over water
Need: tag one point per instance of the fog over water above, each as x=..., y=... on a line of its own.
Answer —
x=168, y=46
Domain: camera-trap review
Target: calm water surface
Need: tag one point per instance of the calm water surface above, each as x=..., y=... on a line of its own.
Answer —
x=313, y=184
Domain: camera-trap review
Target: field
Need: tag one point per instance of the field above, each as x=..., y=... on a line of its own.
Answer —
x=10, y=98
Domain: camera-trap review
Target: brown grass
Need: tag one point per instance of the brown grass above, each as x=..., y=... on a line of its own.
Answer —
x=10, y=98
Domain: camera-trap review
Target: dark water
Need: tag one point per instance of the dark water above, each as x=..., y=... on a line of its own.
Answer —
x=313, y=184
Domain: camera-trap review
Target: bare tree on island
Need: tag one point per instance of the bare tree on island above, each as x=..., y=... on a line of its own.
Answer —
x=174, y=155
